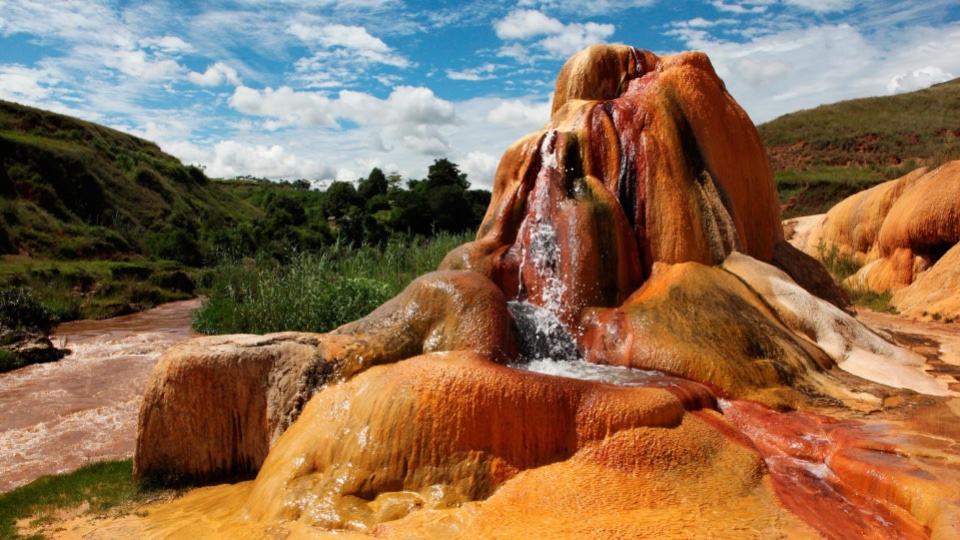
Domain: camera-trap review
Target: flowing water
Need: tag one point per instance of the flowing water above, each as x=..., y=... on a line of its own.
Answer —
x=57, y=417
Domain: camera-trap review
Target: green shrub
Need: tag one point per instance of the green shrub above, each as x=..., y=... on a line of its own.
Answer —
x=874, y=300
x=839, y=264
x=9, y=361
x=20, y=309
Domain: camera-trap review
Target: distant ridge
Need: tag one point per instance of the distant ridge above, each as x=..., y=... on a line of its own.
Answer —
x=923, y=126
x=75, y=189
x=821, y=156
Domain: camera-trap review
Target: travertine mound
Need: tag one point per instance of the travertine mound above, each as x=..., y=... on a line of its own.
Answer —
x=213, y=406
x=900, y=232
x=644, y=219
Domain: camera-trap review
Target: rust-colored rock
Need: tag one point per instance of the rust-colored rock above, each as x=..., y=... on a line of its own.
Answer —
x=643, y=220
x=213, y=406
x=900, y=232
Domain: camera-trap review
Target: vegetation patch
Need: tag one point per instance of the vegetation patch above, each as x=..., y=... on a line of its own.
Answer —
x=315, y=292
x=104, y=489
x=823, y=155
x=873, y=300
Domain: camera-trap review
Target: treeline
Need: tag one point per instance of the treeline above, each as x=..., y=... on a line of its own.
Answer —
x=370, y=211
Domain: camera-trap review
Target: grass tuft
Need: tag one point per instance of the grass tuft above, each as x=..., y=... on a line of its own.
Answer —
x=106, y=486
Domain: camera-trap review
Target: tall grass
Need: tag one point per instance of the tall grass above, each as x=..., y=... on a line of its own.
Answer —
x=315, y=292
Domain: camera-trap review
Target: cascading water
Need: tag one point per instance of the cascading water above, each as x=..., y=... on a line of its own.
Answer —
x=546, y=345
x=540, y=335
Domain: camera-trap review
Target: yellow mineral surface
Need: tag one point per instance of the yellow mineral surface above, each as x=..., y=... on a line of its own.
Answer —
x=641, y=228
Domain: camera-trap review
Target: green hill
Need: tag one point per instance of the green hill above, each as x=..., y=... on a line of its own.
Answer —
x=71, y=189
x=823, y=155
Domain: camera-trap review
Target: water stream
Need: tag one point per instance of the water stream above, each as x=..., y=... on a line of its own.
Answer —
x=57, y=417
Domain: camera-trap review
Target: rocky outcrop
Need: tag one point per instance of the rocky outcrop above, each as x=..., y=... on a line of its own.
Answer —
x=24, y=347
x=213, y=406
x=643, y=222
x=900, y=233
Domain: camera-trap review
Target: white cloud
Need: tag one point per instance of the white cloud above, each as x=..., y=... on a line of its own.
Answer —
x=410, y=115
x=757, y=72
x=232, y=158
x=557, y=40
x=342, y=55
x=26, y=85
x=169, y=44
x=520, y=114
x=823, y=6
x=575, y=37
x=525, y=24
x=284, y=104
x=215, y=75
x=917, y=79
x=784, y=71
x=749, y=6
x=338, y=35
x=481, y=73
x=480, y=168
x=589, y=7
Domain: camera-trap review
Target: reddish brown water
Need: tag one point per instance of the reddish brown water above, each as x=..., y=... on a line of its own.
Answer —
x=60, y=416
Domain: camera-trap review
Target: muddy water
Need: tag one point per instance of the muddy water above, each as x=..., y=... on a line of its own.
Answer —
x=60, y=416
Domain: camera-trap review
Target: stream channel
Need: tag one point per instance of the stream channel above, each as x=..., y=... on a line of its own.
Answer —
x=57, y=417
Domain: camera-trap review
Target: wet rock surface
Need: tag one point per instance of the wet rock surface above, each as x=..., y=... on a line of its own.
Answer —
x=644, y=219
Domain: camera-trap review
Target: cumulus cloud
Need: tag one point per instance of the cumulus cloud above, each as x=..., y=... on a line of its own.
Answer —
x=783, y=71
x=410, y=115
x=480, y=168
x=520, y=114
x=215, y=75
x=556, y=39
x=525, y=24
x=232, y=158
x=284, y=104
x=917, y=79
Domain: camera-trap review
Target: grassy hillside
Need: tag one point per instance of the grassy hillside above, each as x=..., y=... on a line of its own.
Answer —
x=71, y=189
x=823, y=155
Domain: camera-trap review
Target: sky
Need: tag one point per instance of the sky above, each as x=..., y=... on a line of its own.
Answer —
x=328, y=89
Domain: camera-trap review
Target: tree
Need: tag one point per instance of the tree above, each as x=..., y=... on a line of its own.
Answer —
x=449, y=209
x=444, y=172
x=374, y=184
x=340, y=196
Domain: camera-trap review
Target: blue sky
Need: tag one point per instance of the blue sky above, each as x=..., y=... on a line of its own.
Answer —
x=328, y=89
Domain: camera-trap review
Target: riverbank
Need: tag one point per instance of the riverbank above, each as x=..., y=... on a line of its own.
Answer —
x=59, y=416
